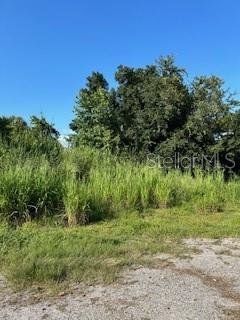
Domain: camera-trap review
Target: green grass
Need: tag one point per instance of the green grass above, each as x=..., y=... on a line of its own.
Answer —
x=49, y=255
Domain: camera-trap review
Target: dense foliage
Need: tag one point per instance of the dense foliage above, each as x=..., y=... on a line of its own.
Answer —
x=17, y=138
x=153, y=110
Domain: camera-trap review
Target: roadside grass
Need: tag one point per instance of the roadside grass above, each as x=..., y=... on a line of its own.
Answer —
x=53, y=256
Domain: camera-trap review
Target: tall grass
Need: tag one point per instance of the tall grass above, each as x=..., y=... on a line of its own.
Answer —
x=88, y=185
x=29, y=189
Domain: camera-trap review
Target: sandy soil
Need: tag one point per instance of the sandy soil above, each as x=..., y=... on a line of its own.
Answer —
x=203, y=285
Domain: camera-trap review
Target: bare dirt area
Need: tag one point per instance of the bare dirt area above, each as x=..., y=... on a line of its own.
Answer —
x=204, y=284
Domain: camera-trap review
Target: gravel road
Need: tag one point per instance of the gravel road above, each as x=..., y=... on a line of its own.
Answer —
x=204, y=285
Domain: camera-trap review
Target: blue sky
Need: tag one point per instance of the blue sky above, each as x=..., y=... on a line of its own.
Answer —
x=49, y=47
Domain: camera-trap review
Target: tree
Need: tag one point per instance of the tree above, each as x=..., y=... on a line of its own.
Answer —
x=96, y=81
x=11, y=127
x=208, y=124
x=43, y=127
x=92, y=123
x=152, y=103
x=41, y=138
x=168, y=69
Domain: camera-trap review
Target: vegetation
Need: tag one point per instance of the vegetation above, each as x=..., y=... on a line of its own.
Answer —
x=107, y=201
x=154, y=110
x=38, y=200
x=53, y=255
x=87, y=186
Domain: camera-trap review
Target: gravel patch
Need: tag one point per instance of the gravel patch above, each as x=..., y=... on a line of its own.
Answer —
x=205, y=284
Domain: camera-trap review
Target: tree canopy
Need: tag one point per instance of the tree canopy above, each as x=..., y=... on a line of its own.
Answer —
x=155, y=110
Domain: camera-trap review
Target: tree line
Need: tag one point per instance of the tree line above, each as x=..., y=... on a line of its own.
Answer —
x=152, y=111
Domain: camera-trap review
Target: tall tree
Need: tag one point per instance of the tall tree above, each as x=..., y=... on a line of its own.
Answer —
x=92, y=123
x=153, y=102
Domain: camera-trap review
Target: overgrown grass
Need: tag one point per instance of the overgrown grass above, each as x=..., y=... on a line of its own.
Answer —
x=29, y=190
x=53, y=255
x=83, y=187
x=88, y=185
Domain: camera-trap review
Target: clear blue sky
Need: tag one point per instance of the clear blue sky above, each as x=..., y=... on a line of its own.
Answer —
x=48, y=47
